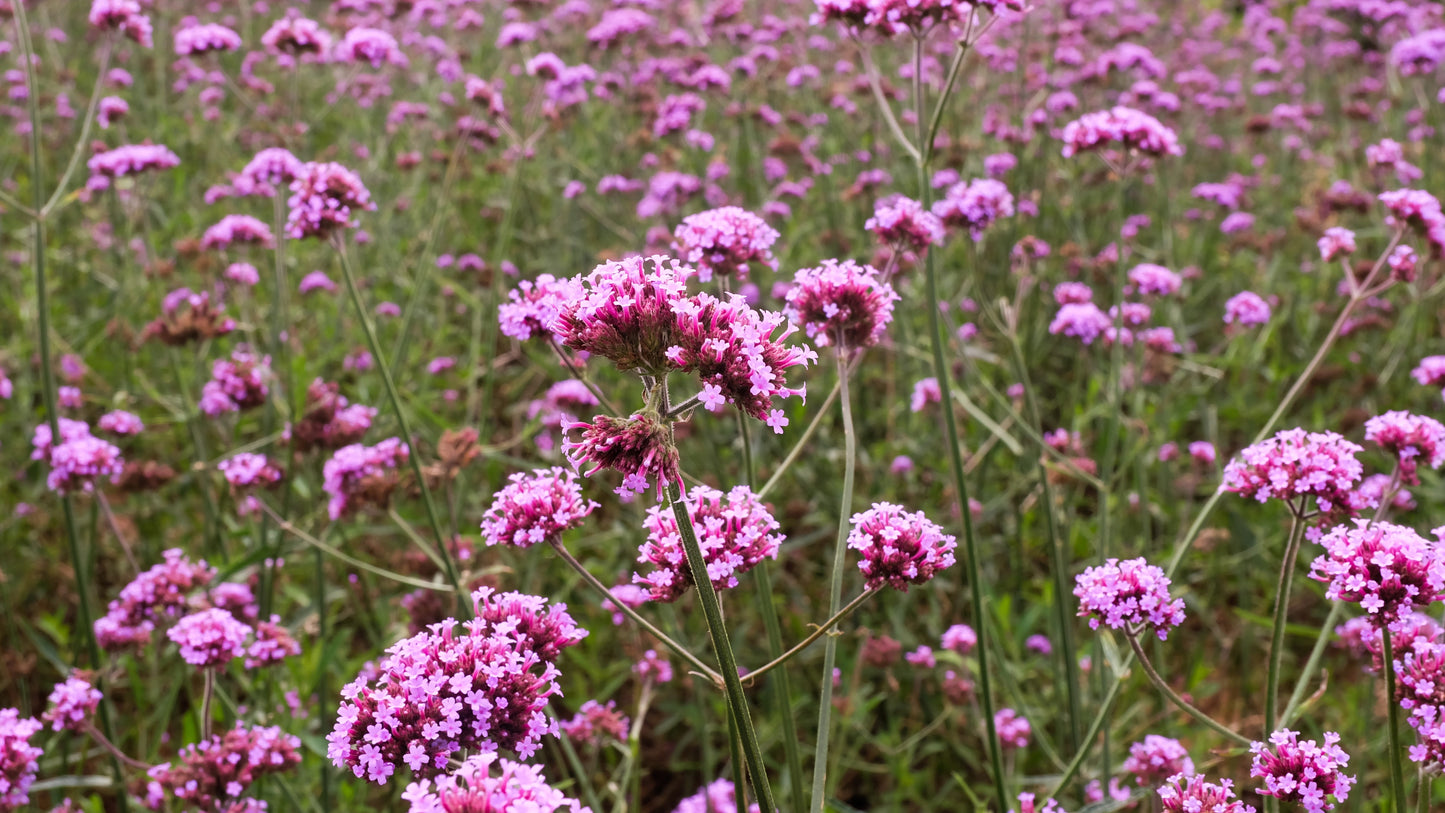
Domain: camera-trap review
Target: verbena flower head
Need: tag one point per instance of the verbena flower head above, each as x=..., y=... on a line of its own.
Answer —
x=270, y=169
x=132, y=159
x=1413, y=439
x=1297, y=466
x=72, y=703
x=1028, y=803
x=1156, y=759
x=324, y=197
x=19, y=760
x=960, y=638
x=974, y=205
x=1304, y=773
x=890, y=17
x=489, y=784
x=1194, y=794
x=841, y=303
x=639, y=448
x=481, y=687
x=76, y=464
x=370, y=45
x=236, y=384
x=272, y=645
x=1082, y=320
x=249, y=470
x=1419, y=210
x=533, y=307
x=735, y=532
x=597, y=724
x=535, y=508
x=1430, y=372
x=1246, y=308
x=297, y=36
x=904, y=224
x=124, y=16
x=359, y=475
x=194, y=40
x=1129, y=129
x=233, y=229
x=157, y=594
x=120, y=422
x=718, y=796
x=330, y=421
x=1336, y=243
x=188, y=316
x=1013, y=728
x=1129, y=595
x=898, y=548
x=209, y=638
x=1148, y=278
x=213, y=774
x=545, y=629
x=725, y=241
x=1387, y=569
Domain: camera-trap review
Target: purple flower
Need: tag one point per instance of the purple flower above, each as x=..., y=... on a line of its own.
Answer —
x=297, y=36
x=725, y=241
x=316, y=281
x=193, y=40
x=1128, y=595
x=1193, y=794
x=1156, y=759
x=1387, y=569
x=898, y=548
x=157, y=594
x=474, y=786
x=1336, y=243
x=1295, y=465
x=1073, y=293
x=1130, y=129
x=214, y=773
x=370, y=45
x=1082, y=320
x=249, y=470
x=77, y=462
x=132, y=159
x=1430, y=372
x=533, y=307
x=271, y=169
x=1246, y=308
x=535, y=508
x=841, y=303
x=236, y=384
x=960, y=638
x=1417, y=209
x=359, y=475
x=110, y=109
x=639, y=448
x=1236, y=222
x=1304, y=773
x=734, y=531
x=1013, y=729
x=654, y=667
x=1149, y=278
x=1411, y=438
x=904, y=224
x=71, y=704
x=597, y=724
x=273, y=644
x=19, y=760
x=925, y=391
x=974, y=205
x=324, y=196
x=209, y=638
x=237, y=229
x=124, y=16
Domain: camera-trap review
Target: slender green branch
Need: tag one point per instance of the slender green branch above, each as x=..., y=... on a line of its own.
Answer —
x=1397, y=772
x=1281, y=611
x=820, y=631
x=415, y=457
x=801, y=442
x=1302, y=685
x=667, y=640
x=399, y=578
x=722, y=647
x=1184, y=705
x=1095, y=726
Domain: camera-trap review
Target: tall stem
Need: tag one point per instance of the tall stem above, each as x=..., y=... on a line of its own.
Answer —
x=415, y=457
x=1397, y=771
x=722, y=646
x=1281, y=610
x=835, y=589
x=1184, y=705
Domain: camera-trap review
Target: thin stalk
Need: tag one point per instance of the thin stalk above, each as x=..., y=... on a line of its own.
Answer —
x=1174, y=697
x=821, y=630
x=740, y=797
x=322, y=691
x=374, y=345
x=52, y=414
x=667, y=640
x=835, y=590
x=722, y=647
x=800, y=444
x=973, y=573
x=1095, y=726
x=1397, y=772
x=580, y=376
x=1302, y=685
x=1281, y=610
x=1423, y=791
x=208, y=689
x=584, y=786
x=320, y=546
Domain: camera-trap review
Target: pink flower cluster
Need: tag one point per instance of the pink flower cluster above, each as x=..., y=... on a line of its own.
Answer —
x=323, y=198
x=535, y=508
x=436, y=693
x=515, y=788
x=725, y=241
x=643, y=320
x=1296, y=466
x=960, y=638
x=533, y=306
x=19, y=760
x=1148, y=278
x=330, y=421
x=351, y=470
x=1155, y=759
x=297, y=36
x=1195, y=794
x=249, y=470
x=898, y=548
x=1131, y=130
x=559, y=406
x=974, y=205
x=1417, y=209
x=120, y=422
x=904, y=223
x=718, y=796
x=269, y=170
x=193, y=40
x=209, y=638
x=72, y=703
x=1387, y=569
x=639, y=448
x=1129, y=595
x=1082, y=320
x=124, y=16
x=79, y=461
x=1013, y=728
x=735, y=532
x=597, y=724
x=273, y=644
x=897, y=16
x=236, y=384
x=1304, y=773
x=1246, y=308
x=233, y=229
x=1336, y=243
x=841, y=304
x=159, y=593
x=370, y=45
x=213, y=774
x=131, y=159
x=1413, y=439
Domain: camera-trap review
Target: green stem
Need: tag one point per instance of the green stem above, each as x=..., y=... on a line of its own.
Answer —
x=1397, y=772
x=1423, y=791
x=822, y=629
x=1094, y=727
x=799, y=445
x=722, y=646
x=835, y=589
x=415, y=457
x=584, y=784
x=1301, y=686
x=1281, y=611
x=667, y=640
x=322, y=688
x=1184, y=705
